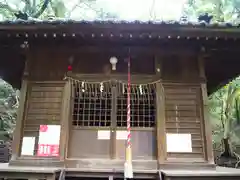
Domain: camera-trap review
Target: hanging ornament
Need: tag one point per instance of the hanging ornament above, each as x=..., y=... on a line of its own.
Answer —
x=83, y=86
x=141, y=90
x=69, y=68
x=123, y=88
x=113, y=61
x=70, y=61
x=101, y=87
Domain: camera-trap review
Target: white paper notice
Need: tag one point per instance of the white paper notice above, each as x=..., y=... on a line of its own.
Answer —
x=103, y=134
x=49, y=137
x=28, y=145
x=121, y=135
x=179, y=143
x=49, y=134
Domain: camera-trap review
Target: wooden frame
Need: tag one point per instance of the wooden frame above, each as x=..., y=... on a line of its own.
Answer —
x=207, y=125
x=160, y=129
x=16, y=145
x=99, y=77
x=17, y=137
x=161, y=135
x=65, y=121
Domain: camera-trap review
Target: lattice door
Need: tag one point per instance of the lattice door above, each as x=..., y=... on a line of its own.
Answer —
x=92, y=104
x=102, y=107
x=143, y=122
x=91, y=119
x=143, y=106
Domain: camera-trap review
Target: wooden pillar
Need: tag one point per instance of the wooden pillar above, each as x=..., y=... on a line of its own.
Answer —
x=65, y=118
x=113, y=130
x=161, y=135
x=206, y=120
x=17, y=135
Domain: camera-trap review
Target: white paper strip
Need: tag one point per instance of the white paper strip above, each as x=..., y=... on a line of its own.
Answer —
x=103, y=134
x=121, y=135
x=28, y=145
x=179, y=143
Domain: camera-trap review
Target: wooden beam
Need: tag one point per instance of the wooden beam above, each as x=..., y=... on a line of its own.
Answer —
x=161, y=135
x=207, y=133
x=65, y=114
x=119, y=49
x=18, y=132
x=113, y=130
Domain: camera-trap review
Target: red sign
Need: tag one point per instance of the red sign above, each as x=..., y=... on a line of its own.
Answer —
x=48, y=150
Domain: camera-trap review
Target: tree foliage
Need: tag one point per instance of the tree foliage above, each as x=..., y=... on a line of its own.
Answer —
x=222, y=10
x=45, y=9
x=9, y=102
x=224, y=108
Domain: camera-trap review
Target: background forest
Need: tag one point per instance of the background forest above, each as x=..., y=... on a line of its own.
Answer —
x=224, y=104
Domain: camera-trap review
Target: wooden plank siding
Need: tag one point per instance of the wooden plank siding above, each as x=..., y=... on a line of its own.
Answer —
x=43, y=106
x=183, y=115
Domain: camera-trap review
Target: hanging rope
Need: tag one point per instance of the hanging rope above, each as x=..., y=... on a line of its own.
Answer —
x=109, y=81
x=128, y=107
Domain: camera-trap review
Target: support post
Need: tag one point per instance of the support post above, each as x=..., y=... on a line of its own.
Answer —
x=17, y=135
x=161, y=132
x=206, y=121
x=113, y=129
x=65, y=120
x=160, y=114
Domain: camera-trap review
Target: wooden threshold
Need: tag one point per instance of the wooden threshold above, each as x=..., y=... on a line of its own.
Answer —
x=219, y=173
x=37, y=162
x=96, y=164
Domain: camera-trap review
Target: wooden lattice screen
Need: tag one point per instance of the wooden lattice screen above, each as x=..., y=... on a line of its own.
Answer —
x=143, y=106
x=93, y=104
x=183, y=115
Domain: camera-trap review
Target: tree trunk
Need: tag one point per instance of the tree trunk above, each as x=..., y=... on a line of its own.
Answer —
x=227, y=150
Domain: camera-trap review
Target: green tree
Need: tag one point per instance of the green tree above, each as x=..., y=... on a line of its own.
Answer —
x=224, y=108
x=9, y=102
x=222, y=10
x=45, y=9
x=12, y=9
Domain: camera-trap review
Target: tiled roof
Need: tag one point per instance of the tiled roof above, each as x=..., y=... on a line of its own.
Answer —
x=162, y=23
x=120, y=29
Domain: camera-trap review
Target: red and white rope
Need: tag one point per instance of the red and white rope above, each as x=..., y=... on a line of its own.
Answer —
x=128, y=107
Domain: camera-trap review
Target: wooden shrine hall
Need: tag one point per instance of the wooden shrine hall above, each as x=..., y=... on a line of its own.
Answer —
x=72, y=118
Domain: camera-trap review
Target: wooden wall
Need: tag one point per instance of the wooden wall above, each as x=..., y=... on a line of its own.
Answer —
x=183, y=115
x=183, y=102
x=181, y=82
x=43, y=107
